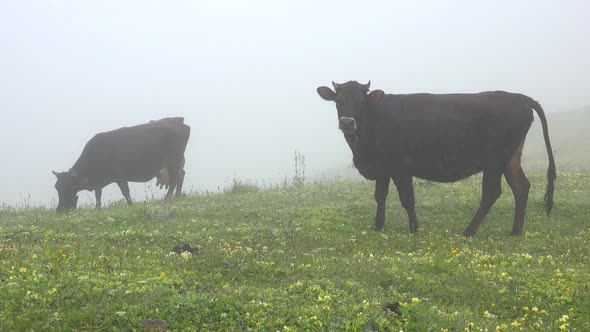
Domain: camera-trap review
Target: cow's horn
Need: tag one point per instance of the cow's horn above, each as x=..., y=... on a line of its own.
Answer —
x=368, y=85
x=55, y=173
x=336, y=85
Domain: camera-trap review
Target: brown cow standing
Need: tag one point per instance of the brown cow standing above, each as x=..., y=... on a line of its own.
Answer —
x=443, y=138
x=136, y=154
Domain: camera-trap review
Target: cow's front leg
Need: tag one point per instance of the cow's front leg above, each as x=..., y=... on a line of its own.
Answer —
x=405, y=188
x=124, y=186
x=381, y=190
x=98, y=196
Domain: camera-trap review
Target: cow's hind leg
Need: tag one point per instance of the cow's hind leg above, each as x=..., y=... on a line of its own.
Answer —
x=180, y=181
x=173, y=181
x=381, y=190
x=490, y=191
x=124, y=186
x=98, y=196
x=405, y=189
x=520, y=186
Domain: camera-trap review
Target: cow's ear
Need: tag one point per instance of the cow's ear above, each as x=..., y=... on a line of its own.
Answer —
x=375, y=96
x=326, y=93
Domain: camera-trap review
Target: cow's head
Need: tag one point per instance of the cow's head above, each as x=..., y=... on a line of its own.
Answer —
x=67, y=187
x=353, y=100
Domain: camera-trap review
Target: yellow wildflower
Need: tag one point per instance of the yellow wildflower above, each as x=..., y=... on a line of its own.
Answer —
x=501, y=327
x=489, y=315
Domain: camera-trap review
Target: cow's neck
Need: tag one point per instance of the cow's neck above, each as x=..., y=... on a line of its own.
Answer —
x=81, y=176
x=358, y=144
x=352, y=141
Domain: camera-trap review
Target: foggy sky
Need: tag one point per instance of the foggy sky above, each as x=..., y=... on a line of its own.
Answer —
x=243, y=74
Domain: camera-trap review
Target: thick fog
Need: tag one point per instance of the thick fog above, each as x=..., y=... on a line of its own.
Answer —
x=244, y=75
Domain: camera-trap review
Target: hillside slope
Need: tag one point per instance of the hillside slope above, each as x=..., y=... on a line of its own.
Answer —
x=301, y=258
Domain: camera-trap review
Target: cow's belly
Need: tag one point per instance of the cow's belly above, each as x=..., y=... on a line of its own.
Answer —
x=136, y=175
x=443, y=168
x=452, y=161
x=141, y=178
x=447, y=174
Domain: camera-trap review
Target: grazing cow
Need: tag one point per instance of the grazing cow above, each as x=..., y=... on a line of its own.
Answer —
x=443, y=138
x=136, y=154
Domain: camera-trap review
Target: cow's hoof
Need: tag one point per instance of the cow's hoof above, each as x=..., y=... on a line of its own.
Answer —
x=516, y=233
x=378, y=228
x=469, y=232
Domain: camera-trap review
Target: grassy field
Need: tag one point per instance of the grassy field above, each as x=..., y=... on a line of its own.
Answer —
x=301, y=258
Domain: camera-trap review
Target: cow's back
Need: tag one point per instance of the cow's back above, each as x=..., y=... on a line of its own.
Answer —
x=134, y=153
x=450, y=136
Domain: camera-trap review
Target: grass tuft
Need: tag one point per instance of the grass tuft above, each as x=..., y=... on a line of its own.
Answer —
x=239, y=187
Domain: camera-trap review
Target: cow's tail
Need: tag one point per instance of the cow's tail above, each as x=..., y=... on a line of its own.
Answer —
x=551, y=174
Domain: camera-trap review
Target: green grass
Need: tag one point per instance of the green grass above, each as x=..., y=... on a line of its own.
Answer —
x=241, y=187
x=301, y=258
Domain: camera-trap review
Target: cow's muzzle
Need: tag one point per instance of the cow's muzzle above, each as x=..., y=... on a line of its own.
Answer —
x=347, y=125
x=67, y=206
